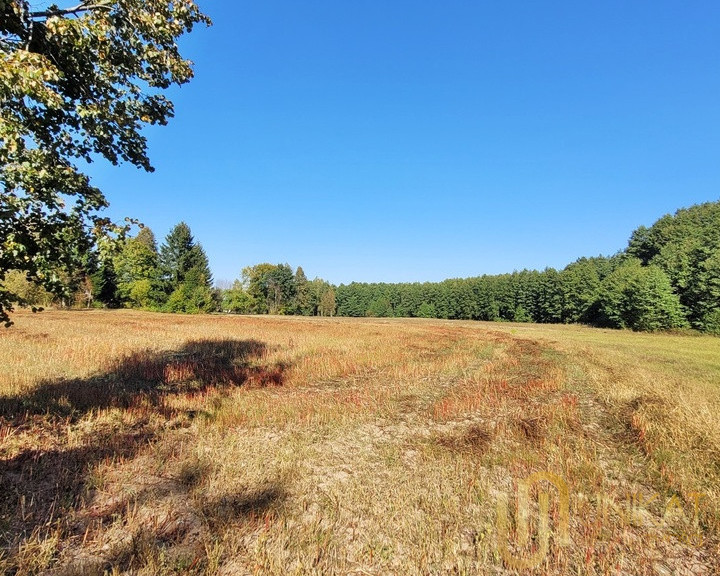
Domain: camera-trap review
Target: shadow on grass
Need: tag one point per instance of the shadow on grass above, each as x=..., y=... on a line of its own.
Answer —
x=228, y=507
x=48, y=481
x=150, y=376
x=182, y=537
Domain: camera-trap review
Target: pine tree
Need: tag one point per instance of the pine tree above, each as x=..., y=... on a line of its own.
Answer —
x=197, y=260
x=174, y=253
x=105, y=285
x=179, y=254
x=185, y=272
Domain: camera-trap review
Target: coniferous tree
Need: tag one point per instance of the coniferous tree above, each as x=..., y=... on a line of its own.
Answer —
x=174, y=255
x=179, y=254
x=580, y=287
x=105, y=287
x=197, y=260
x=185, y=273
x=686, y=246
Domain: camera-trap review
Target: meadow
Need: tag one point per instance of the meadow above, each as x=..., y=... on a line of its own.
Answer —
x=144, y=443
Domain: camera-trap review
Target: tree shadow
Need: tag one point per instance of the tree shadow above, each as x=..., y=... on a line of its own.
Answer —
x=50, y=476
x=186, y=531
x=248, y=505
x=197, y=365
x=41, y=486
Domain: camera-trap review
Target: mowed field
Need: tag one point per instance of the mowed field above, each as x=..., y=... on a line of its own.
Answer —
x=141, y=443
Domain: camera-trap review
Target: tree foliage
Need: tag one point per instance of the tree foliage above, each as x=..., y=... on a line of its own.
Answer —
x=185, y=273
x=105, y=285
x=686, y=246
x=180, y=256
x=327, y=304
x=193, y=295
x=641, y=298
x=303, y=294
x=668, y=276
x=237, y=300
x=26, y=293
x=76, y=84
x=272, y=286
x=137, y=268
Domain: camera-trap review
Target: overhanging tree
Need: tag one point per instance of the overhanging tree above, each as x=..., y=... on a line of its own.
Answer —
x=76, y=83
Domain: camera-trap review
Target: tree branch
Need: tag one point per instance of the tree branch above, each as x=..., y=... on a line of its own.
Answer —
x=82, y=7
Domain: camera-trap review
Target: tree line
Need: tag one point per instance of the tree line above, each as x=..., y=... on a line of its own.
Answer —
x=132, y=272
x=65, y=102
x=614, y=292
x=276, y=289
x=668, y=277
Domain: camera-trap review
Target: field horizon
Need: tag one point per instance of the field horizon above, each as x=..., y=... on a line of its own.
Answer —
x=148, y=443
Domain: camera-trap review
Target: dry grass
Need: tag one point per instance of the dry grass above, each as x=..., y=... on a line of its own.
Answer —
x=138, y=443
x=664, y=389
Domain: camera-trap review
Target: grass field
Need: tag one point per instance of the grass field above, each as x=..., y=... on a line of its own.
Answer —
x=140, y=443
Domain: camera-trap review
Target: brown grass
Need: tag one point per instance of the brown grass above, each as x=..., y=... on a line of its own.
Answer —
x=139, y=443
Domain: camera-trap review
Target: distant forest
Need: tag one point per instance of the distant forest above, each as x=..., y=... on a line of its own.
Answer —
x=668, y=277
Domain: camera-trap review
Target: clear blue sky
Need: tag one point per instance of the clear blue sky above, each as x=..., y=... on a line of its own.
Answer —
x=409, y=141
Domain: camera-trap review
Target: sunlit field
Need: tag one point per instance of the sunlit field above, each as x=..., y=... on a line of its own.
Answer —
x=141, y=443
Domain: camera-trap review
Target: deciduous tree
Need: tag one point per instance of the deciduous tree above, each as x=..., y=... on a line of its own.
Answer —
x=76, y=83
x=138, y=274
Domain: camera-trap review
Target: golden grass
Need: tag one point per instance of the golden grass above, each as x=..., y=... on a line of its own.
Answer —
x=665, y=388
x=140, y=443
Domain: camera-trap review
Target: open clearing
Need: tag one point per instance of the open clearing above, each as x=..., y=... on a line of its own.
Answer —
x=140, y=443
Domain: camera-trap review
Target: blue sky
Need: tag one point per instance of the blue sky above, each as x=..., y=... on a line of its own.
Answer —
x=410, y=141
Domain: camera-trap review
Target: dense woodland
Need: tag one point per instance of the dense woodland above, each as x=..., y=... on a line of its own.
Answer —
x=668, y=277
